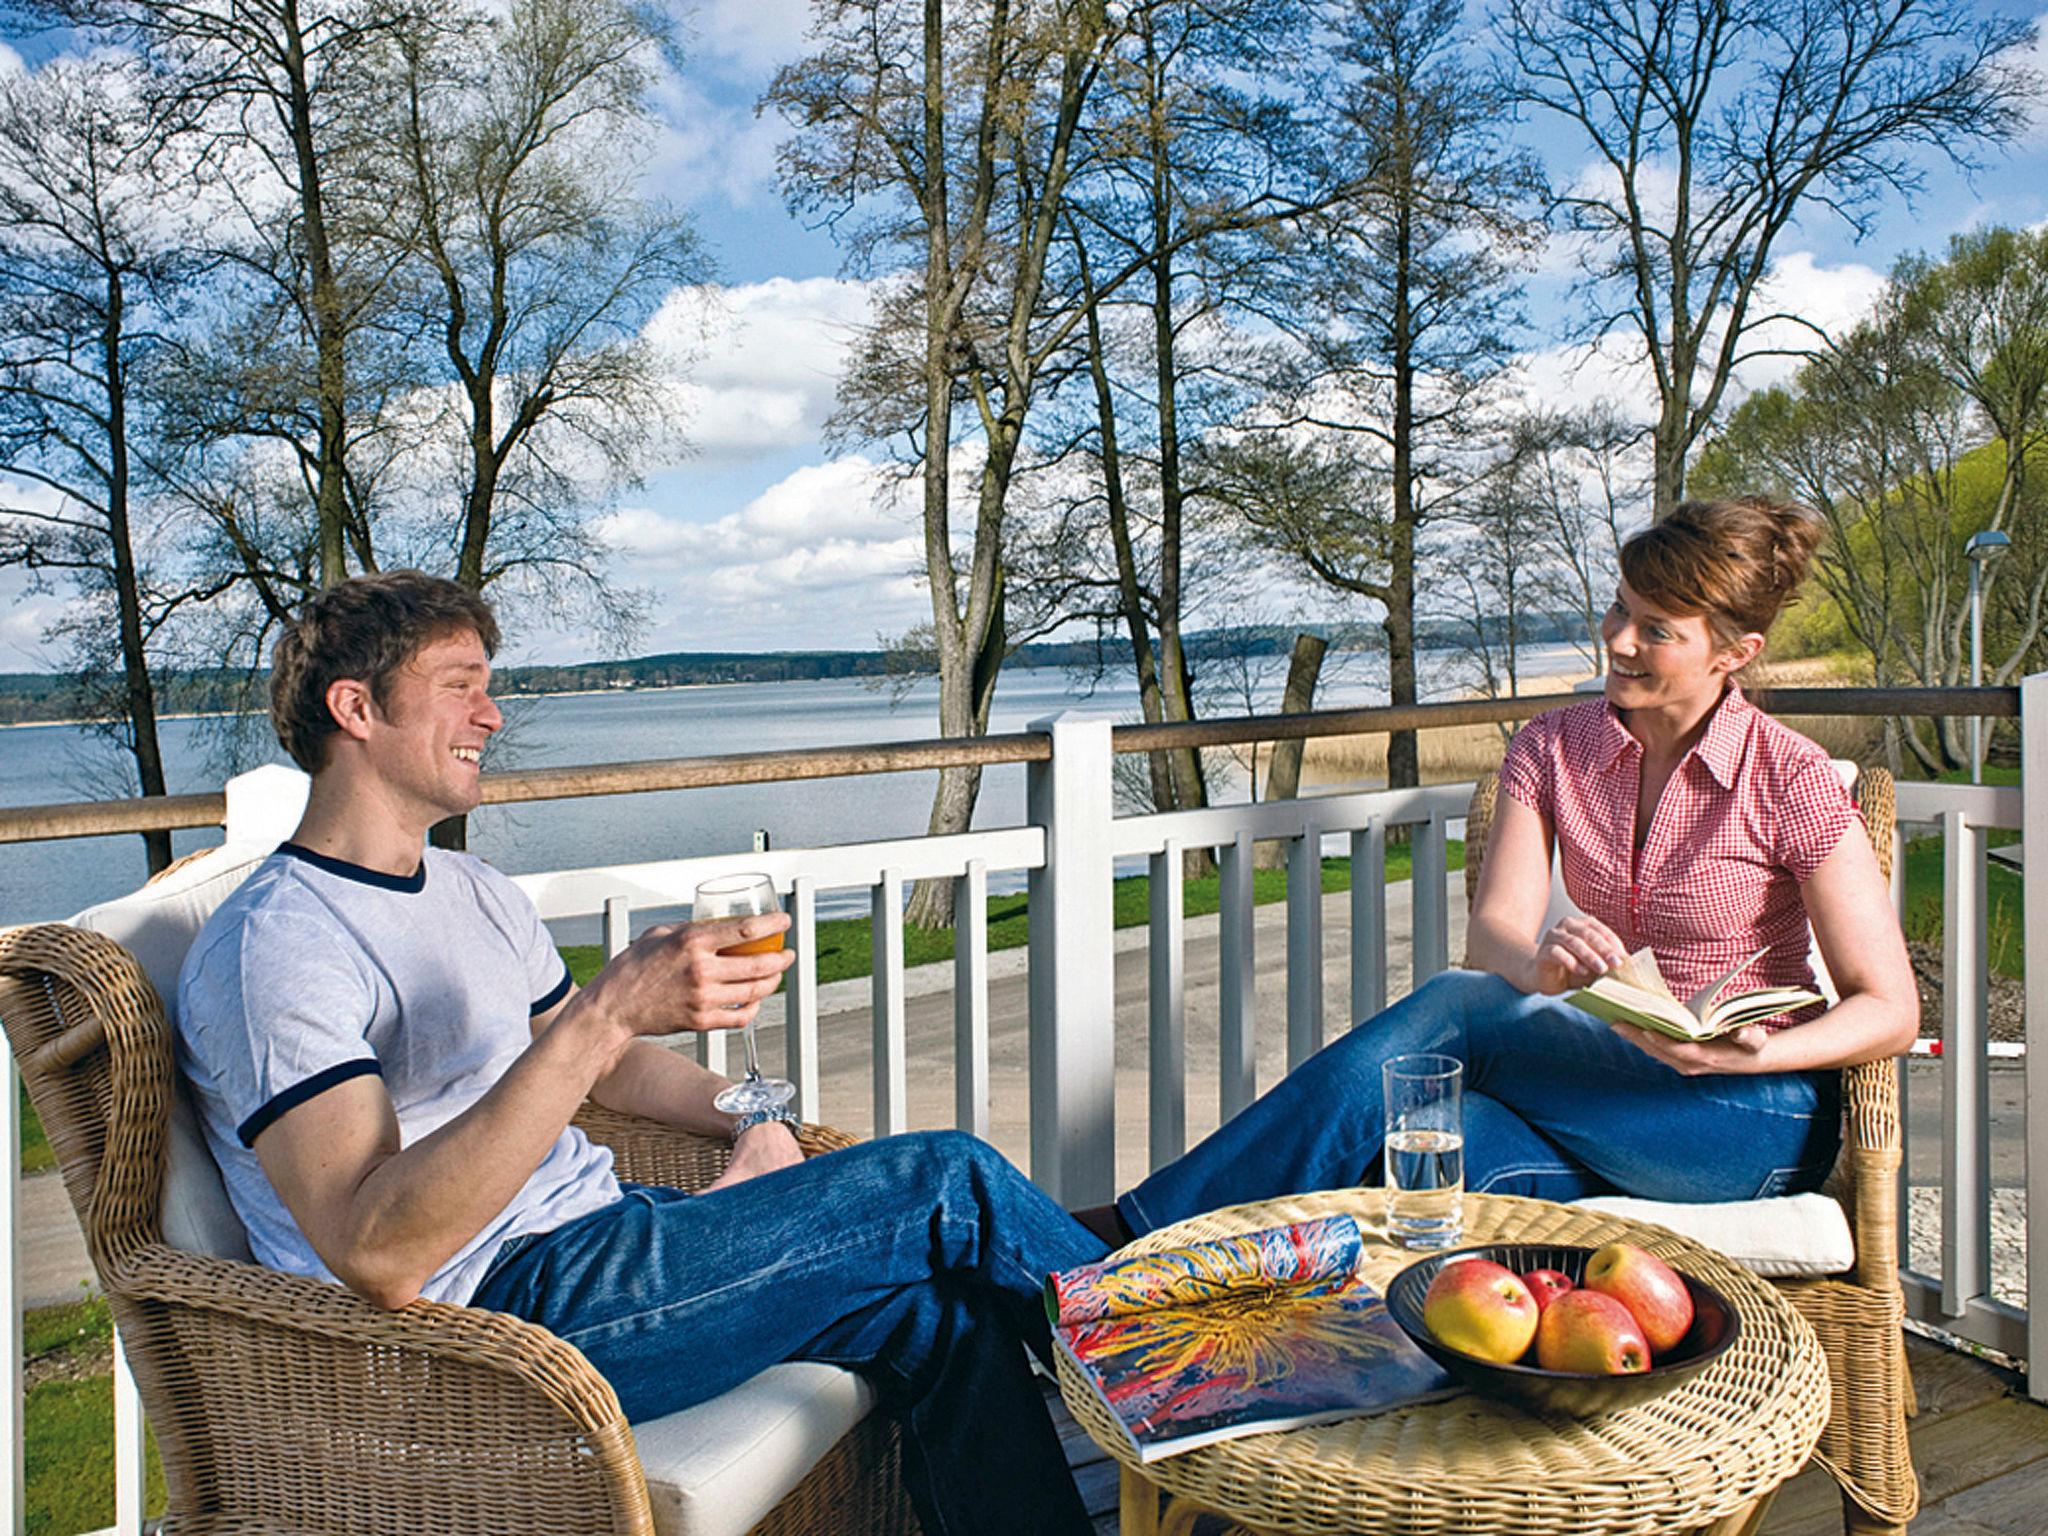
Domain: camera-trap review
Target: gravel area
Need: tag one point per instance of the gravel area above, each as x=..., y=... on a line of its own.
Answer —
x=2008, y=997
x=2008, y=1239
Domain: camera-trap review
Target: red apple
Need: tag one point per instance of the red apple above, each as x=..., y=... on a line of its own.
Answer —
x=1591, y=1333
x=1648, y=1287
x=1546, y=1285
x=1480, y=1307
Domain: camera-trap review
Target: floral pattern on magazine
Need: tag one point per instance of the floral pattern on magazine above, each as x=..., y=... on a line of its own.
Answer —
x=1264, y=1328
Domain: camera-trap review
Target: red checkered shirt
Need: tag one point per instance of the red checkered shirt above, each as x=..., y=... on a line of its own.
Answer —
x=1747, y=817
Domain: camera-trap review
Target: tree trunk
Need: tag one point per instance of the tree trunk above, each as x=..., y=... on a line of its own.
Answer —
x=1403, y=764
x=330, y=487
x=139, y=691
x=1283, y=777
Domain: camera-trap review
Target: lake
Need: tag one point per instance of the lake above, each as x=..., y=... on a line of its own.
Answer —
x=49, y=763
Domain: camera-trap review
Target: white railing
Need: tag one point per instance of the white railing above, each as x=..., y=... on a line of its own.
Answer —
x=1068, y=853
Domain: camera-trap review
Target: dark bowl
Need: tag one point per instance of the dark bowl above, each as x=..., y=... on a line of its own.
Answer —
x=1714, y=1328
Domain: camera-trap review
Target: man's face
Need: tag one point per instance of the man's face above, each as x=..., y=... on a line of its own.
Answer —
x=427, y=740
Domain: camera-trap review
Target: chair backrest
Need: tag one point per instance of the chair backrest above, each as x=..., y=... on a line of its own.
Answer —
x=157, y=925
x=87, y=1011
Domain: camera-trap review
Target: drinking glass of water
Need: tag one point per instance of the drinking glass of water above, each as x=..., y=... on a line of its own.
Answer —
x=1425, y=1153
x=745, y=896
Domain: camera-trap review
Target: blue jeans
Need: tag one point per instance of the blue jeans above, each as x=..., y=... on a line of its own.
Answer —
x=1556, y=1105
x=914, y=1260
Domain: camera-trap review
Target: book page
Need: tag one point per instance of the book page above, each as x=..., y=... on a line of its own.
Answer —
x=1702, y=1001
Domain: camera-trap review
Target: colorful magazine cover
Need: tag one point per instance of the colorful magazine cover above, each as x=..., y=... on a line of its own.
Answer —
x=1240, y=1336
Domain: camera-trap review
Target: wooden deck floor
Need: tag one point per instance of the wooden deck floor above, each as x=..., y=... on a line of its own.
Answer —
x=1979, y=1444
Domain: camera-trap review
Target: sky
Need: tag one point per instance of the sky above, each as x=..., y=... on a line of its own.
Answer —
x=761, y=537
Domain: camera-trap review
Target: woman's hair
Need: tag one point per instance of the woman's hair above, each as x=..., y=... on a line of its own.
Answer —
x=364, y=628
x=1736, y=561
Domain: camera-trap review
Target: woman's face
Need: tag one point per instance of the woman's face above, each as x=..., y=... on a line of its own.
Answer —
x=1657, y=659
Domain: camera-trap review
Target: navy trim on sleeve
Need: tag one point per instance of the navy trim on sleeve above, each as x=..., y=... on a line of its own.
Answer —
x=412, y=883
x=556, y=993
x=300, y=1092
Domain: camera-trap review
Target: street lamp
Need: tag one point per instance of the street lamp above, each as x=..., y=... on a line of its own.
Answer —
x=1982, y=548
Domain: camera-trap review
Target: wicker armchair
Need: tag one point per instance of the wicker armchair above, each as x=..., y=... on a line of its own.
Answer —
x=1858, y=1316
x=283, y=1404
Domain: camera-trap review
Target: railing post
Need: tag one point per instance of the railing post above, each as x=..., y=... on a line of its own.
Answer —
x=1073, y=966
x=892, y=1066
x=970, y=999
x=131, y=1459
x=1965, y=1071
x=2034, y=842
x=13, y=1492
x=800, y=999
x=1368, y=920
x=1237, y=977
x=1305, y=945
x=1429, y=882
x=1166, y=1001
x=265, y=804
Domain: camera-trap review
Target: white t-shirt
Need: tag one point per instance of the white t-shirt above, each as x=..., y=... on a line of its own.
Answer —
x=316, y=971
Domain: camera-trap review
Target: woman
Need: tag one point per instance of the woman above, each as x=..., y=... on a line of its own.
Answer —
x=1687, y=821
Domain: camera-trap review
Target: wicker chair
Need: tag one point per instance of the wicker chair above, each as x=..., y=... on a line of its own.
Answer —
x=283, y=1404
x=1858, y=1316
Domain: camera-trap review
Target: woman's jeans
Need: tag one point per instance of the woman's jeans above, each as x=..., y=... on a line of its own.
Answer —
x=914, y=1260
x=1557, y=1105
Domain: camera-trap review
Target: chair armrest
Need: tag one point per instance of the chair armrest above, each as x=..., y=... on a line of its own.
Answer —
x=316, y=1402
x=650, y=1152
x=1872, y=1151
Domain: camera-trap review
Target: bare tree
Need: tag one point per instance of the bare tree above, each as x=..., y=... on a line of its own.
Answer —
x=282, y=99
x=944, y=132
x=517, y=152
x=1409, y=325
x=1714, y=123
x=91, y=268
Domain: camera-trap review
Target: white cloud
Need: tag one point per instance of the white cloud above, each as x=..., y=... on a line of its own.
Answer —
x=758, y=364
x=757, y=35
x=2036, y=60
x=1800, y=294
x=10, y=61
x=827, y=556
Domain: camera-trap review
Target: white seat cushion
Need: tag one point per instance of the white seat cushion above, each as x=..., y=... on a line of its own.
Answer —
x=717, y=1469
x=1790, y=1235
x=157, y=925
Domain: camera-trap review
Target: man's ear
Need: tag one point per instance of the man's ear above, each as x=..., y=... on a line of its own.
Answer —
x=350, y=703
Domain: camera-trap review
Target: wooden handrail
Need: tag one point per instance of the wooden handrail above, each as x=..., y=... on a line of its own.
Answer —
x=99, y=818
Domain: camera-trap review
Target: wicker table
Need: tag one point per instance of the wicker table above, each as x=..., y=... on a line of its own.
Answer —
x=1704, y=1457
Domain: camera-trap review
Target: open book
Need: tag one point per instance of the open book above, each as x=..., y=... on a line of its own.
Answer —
x=1266, y=1331
x=1635, y=992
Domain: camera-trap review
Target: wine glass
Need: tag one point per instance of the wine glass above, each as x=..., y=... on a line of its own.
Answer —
x=744, y=896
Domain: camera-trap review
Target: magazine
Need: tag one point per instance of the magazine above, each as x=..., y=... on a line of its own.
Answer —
x=1240, y=1336
x=1635, y=992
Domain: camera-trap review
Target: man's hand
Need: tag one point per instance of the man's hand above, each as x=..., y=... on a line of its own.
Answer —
x=673, y=977
x=763, y=1149
x=1574, y=951
x=1739, y=1051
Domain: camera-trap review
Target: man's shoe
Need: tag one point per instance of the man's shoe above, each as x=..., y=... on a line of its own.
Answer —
x=1107, y=1223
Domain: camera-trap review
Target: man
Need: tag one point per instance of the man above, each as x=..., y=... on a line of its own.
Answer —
x=386, y=1051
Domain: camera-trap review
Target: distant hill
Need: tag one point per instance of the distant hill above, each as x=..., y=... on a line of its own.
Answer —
x=27, y=697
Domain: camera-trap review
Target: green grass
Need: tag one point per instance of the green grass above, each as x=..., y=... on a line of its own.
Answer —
x=69, y=1426
x=1924, y=881
x=36, y=1156
x=844, y=944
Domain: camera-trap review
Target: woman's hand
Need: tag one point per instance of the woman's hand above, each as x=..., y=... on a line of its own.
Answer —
x=1572, y=952
x=761, y=1149
x=1738, y=1051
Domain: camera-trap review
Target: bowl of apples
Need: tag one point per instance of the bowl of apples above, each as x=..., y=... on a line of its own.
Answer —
x=1562, y=1329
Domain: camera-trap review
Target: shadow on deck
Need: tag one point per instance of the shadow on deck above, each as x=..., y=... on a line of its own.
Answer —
x=1980, y=1446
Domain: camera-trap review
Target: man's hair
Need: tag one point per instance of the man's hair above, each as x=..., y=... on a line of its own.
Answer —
x=365, y=628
